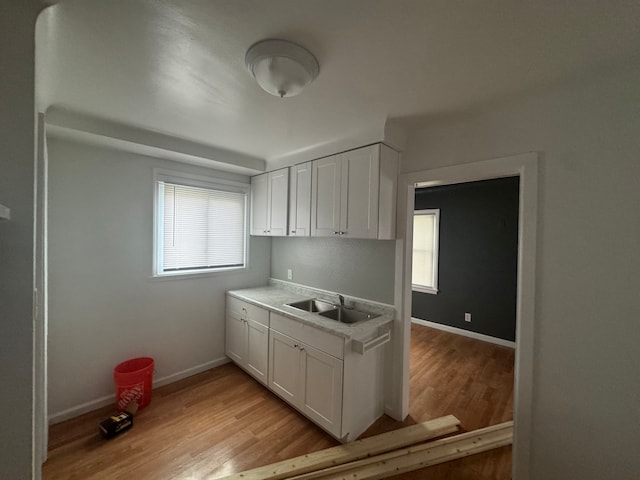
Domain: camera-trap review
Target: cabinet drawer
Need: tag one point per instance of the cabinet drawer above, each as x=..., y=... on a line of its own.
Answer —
x=257, y=314
x=323, y=341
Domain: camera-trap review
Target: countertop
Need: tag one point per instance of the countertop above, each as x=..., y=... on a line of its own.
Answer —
x=275, y=298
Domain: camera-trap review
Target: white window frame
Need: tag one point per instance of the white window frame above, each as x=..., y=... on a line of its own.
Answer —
x=193, y=180
x=436, y=252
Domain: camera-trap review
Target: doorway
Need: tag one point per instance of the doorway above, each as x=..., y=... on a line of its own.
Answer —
x=463, y=312
x=524, y=166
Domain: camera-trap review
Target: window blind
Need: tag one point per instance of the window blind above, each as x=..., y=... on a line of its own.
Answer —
x=424, y=233
x=203, y=228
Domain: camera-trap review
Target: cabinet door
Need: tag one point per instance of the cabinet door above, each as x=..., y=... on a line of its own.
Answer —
x=235, y=337
x=257, y=350
x=360, y=183
x=284, y=367
x=259, y=204
x=300, y=200
x=325, y=201
x=278, y=202
x=322, y=389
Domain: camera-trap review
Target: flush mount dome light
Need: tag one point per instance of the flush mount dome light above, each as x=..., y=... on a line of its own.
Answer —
x=280, y=67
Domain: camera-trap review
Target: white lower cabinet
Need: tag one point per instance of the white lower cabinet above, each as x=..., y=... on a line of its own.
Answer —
x=257, y=350
x=235, y=341
x=322, y=389
x=308, y=379
x=247, y=337
x=315, y=371
x=284, y=367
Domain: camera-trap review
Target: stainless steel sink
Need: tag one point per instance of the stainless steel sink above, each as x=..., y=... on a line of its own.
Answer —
x=314, y=305
x=332, y=311
x=347, y=315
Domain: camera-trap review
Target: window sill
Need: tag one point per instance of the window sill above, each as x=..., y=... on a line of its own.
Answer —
x=423, y=289
x=197, y=274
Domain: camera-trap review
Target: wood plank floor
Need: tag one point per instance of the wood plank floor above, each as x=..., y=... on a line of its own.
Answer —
x=221, y=421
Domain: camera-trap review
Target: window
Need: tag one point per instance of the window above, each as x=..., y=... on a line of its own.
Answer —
x=200, y=226
x=426, y=225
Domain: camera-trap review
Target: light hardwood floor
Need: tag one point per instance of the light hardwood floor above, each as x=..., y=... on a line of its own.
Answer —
x=221, y=421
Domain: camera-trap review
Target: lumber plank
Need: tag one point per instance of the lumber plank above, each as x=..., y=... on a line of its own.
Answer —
x=351, y=451
x=419, y=456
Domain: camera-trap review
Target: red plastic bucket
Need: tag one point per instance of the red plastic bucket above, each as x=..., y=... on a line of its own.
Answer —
x=133, y=382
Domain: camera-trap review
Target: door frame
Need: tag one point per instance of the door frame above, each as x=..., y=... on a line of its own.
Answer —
x=40, y=425
x=525, y=166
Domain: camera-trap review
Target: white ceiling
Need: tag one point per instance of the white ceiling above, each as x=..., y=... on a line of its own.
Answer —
x=177, y=67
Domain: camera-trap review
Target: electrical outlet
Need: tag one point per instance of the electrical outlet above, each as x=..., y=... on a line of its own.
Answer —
x=467, y=317
x=289, y=274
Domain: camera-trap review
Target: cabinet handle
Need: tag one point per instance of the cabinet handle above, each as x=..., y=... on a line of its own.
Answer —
x=343, y=233
x=302, y=349
x=295, y=345
x=293, y=232
x=336, y=233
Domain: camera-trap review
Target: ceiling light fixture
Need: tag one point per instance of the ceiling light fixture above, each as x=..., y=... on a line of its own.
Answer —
x=280, y=67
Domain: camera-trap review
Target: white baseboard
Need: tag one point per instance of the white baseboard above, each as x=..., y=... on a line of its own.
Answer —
x=110, y=399
x=190, y=371
x=466, y=333
x=80, y=409
x=390, y=412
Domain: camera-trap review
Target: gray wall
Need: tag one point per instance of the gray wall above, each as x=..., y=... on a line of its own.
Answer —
x=585, y=391
x=360, y=268
x=17, y=51
x=478, y=256
x=104, y=306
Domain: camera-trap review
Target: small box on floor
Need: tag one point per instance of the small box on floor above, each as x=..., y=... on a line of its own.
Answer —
x=116, y=424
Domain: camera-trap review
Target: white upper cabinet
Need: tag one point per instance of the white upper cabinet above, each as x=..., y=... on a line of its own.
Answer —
x=269, y=201
x=325, y=196
x=259, y=204
x=354, y=194
x=350, y=194
x=300, y=200
x=278, y=201
x=360, y=176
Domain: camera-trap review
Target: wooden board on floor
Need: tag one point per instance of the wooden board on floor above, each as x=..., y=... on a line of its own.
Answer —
x=352, y=451
x=420, y=456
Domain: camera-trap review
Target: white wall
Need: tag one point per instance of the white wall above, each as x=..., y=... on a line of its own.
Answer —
x=356, y=267
x=17, y=49
x=104, y=306
x=586, y=394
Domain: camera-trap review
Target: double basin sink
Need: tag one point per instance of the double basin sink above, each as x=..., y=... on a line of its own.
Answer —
x=338, y=313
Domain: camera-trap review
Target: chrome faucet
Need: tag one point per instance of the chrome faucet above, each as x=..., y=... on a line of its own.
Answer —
x=342, y=304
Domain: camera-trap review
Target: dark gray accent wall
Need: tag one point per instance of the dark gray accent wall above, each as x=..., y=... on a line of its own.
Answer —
x=360, y=268
x=477, y=270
